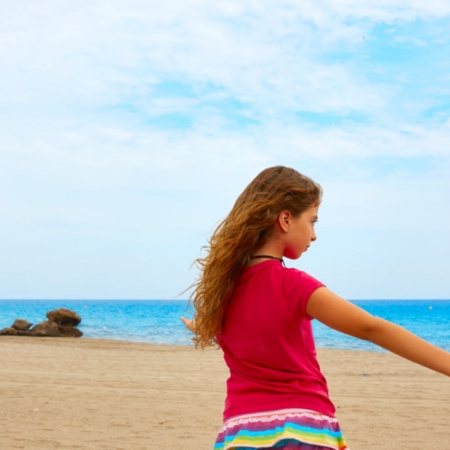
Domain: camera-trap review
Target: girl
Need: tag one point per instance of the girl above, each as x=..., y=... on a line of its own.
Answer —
x=259, y=313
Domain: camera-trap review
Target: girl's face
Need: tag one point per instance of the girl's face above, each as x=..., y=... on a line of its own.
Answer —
x=300, y=233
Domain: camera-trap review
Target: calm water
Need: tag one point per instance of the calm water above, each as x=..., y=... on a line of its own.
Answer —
x=157, y=321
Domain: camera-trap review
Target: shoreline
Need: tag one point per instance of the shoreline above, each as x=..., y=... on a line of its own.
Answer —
x=85, y=393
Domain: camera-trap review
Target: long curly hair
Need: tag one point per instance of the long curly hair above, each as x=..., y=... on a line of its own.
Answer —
x=238, y=236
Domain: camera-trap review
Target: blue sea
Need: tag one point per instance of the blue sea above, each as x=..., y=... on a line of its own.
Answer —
x=158, y=321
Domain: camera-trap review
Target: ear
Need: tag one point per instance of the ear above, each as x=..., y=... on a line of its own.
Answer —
x=284, y=220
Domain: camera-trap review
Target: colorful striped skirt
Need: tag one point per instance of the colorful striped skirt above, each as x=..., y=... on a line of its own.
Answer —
x=284, y=429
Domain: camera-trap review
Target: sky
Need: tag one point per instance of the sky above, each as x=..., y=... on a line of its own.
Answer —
x=128, y=129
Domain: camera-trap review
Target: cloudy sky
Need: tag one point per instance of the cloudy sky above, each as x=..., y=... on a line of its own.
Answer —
x=128, y=128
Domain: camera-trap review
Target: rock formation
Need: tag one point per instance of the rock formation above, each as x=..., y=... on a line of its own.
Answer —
x=61, y=323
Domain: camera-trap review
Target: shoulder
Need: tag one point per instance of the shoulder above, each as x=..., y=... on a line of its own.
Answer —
x=297, y=288
x=297, y=278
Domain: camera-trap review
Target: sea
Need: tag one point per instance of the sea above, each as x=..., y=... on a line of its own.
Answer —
x=158, y=321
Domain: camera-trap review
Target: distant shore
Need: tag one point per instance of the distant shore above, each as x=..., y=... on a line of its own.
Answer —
x=64, y=393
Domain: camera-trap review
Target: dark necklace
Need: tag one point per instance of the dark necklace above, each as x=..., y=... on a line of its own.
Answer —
x=269, y=257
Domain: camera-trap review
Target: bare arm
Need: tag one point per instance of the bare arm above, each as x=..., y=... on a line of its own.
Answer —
x=343, y=316
x=188, y=323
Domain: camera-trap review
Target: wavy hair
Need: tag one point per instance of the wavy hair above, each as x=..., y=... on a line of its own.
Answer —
x=238, y=236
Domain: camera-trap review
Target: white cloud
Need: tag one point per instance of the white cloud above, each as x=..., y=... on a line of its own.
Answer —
x=270, y=56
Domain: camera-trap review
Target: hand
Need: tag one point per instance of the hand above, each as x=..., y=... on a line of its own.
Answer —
x=189, y=323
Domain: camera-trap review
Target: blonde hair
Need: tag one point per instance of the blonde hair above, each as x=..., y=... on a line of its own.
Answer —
x=238, y=236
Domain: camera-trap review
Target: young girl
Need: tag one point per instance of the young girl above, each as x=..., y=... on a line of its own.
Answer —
x=259, y=312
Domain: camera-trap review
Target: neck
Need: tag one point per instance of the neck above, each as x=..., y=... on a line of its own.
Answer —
x=268, y=257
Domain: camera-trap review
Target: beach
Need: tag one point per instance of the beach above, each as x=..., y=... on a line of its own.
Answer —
x=64, y=393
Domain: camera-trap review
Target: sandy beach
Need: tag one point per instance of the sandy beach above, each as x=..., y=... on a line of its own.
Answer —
x=100, y=394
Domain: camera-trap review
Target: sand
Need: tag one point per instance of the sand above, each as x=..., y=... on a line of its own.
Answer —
x=102, y=394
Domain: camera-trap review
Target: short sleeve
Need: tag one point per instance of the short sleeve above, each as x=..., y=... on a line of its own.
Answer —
x=297, y=288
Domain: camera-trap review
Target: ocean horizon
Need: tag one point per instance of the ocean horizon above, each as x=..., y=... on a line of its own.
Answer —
x=158, y=321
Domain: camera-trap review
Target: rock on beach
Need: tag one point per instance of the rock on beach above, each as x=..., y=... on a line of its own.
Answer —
x=61, y=322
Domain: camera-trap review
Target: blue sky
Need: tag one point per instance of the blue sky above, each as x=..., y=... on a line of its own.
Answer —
x=128, y=128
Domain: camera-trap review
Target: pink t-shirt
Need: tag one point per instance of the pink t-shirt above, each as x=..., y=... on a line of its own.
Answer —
x=268, y=344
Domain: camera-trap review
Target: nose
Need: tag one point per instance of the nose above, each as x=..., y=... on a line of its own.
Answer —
x=313, y=236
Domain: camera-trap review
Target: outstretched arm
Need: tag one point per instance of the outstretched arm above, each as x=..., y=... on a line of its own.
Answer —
x=188, y=323
x=343, y=316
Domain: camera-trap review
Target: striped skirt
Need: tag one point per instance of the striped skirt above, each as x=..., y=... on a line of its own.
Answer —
x=284, y=429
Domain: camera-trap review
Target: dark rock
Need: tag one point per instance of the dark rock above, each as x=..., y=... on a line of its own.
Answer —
x=61, y=323
x=64, y=317
x=68, y=331
x=21, y=325
x=48, y=328
x=45, y=328
x=10, y=331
